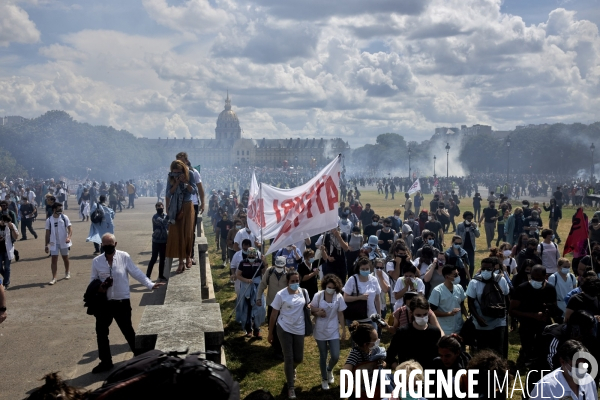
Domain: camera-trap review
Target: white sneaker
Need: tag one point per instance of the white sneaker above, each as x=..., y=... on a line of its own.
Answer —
x=330, y=377
x=68, y=276
x=52, y=282
x=325, y=384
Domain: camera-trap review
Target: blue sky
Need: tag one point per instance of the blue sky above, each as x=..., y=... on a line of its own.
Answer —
x=308, y=68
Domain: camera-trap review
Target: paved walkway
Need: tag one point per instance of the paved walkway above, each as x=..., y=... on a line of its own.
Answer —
x=47, y=328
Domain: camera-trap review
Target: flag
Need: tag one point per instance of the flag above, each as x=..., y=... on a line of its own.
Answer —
x=255, y=209
x=416, y=187
x=578, y=235
x=291, y=215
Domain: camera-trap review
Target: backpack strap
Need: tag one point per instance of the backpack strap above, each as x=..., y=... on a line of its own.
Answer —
x=64, y=220
x=356, y=284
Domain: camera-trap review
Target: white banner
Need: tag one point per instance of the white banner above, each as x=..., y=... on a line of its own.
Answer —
x=290, y=215
x=253, y=204
x=416, y=187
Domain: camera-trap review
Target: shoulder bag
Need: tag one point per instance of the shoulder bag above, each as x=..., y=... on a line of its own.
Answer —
x=356, y=310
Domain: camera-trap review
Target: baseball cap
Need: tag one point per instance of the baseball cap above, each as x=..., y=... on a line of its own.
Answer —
x=280, y=261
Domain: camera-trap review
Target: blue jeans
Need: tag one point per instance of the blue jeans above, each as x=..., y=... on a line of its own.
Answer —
x=334, y=349
x=5, y=268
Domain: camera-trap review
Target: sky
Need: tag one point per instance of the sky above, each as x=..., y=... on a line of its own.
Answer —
x=305, y=68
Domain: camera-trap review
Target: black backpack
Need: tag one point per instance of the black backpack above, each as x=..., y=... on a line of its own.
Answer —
x=493, y=302
x=98, y=215
x=159, y=375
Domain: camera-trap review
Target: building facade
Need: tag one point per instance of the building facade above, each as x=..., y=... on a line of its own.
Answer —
x=229, y=148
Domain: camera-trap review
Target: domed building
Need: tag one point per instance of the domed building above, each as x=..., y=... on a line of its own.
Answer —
x=229, y=148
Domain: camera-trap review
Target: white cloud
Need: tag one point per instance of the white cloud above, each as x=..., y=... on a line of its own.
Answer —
x=196, y=16
x=15, y=25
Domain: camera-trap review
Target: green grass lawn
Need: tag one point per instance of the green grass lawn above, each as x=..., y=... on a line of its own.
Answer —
x=250, y=360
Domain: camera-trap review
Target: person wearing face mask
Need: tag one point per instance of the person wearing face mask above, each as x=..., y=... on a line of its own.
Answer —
x=309, y=270
x=456, y=255
x=105, y=226
x=570, y=380
x=563, y=281
x=436, y=229
x=160, y=223
x=416, y=341
x=425, y=258
x=8, y=234
x=408, y=283
x=469, y=232
x=347, y=221
x=250, y=313
x=555, y=217
x=327, y=306
x=386, y=236
x=447, y=301
x=426, y=239
x=533, y=224
x=354, y=245
x=244, y=233
x=113, y=268
x=489, y=329
x=372, y=227
x=237, y=259
x=58, y=240
x=509, y=262
x=534, y=304
x=288, y=318
x=333, y=245
x=363, y=286
x=433, y=276
x=273, y=280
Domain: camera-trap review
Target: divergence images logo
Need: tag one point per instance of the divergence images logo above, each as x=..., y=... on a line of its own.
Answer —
x=579, y=370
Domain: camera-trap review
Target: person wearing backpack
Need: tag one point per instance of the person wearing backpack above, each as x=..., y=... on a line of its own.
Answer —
x=101, y=217
x=563, y=281
x=58, y=239
x=548, y=251
x=486, y=300
x=534, y=304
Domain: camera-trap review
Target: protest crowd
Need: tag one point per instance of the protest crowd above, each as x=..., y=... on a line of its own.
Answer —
x=411, y=276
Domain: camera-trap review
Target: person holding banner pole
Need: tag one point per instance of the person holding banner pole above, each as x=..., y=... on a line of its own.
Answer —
x=333, y=245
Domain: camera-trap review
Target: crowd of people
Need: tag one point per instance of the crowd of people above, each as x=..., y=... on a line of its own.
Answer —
x=370, y=275
x=400, y=274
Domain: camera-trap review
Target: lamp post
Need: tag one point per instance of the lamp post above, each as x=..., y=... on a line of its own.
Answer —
x=592, y=148
x=409, y=174
x=434, y=158
x=507, y=159
x=447, y=162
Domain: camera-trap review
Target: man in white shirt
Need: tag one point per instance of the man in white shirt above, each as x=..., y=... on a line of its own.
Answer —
x=244, y=233
x=548, y=251
x=58, y=239
x=570, y=380
x=113, y=268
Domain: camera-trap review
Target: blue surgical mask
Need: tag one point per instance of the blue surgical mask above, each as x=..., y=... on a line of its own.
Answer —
x=431, y=242
x=536, y=284
x=456, y=246
x=553, y=236
x=311, y=260
x=456, y=280
x=294, y=286
x=486, y=275
x=364, y=273
x=565, y=271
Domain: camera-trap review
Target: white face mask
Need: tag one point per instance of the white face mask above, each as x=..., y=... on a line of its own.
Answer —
x=330, y=290
x=279, y=269
x=430, y=218
x=422, y=321
x=506, y=253
x=375, y=344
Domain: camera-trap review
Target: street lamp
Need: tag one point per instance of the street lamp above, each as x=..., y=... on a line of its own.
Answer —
x=507, y=159
x=434, y=158
x=592, y=148
x=409, y=174
x=447, y=162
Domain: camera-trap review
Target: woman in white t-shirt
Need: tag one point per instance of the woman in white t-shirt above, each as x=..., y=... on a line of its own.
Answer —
x=327, y=306
x=288, y=314
x=509, y=262
x=408, y=283
x=368, y=289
